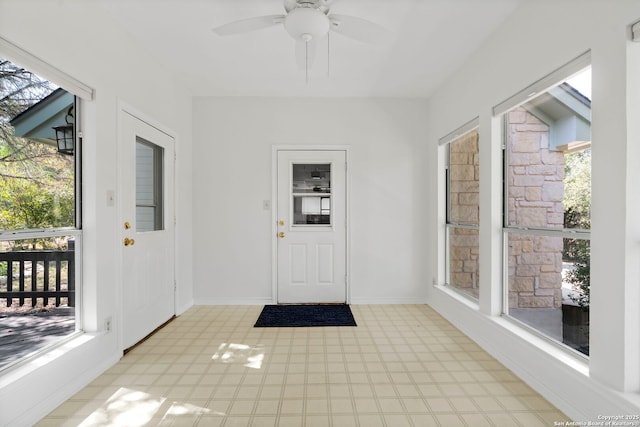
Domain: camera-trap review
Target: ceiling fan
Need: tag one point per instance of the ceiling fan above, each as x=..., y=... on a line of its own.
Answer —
x=307, y=22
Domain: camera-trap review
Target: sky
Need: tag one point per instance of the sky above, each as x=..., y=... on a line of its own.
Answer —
x=582, y=82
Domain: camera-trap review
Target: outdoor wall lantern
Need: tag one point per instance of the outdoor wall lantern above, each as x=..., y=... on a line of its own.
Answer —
x=64, y=134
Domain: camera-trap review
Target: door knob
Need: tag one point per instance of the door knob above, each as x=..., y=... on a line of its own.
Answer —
x=281, y=222
x=281, y=234
x=128, y=242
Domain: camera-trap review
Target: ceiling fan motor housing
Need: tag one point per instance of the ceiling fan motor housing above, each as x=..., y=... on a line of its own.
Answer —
x=306, y=23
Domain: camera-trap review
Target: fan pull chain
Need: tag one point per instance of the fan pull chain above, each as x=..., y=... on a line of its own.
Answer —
x=306, y=62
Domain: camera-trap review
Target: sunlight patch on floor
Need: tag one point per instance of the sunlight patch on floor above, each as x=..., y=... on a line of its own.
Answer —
x=248, y=356
x=178, y=408
x=125, y=407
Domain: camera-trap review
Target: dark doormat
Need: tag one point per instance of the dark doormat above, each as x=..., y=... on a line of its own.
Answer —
x=305, y=315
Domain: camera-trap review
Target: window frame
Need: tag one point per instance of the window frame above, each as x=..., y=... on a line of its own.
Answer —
x=502, y=111
x=80, y=92
x=449, y=225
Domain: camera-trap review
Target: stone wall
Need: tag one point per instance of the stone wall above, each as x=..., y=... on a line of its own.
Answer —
x=536, y=192
x=464, y=205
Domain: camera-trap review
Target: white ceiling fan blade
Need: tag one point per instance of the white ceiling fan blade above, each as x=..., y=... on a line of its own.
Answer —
x=359, y=29
x=305, y=54
x=248, y=25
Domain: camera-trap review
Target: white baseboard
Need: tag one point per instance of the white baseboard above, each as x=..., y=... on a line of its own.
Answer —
x=263, y=301
x=180, y=310
x=387, y=301
x=233, y=301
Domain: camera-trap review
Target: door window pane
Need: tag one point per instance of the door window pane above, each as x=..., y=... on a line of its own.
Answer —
x=311, y=194
x=149, y=178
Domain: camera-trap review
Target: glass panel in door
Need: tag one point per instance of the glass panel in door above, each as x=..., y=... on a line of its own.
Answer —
x=311, y=194
x=149, y=209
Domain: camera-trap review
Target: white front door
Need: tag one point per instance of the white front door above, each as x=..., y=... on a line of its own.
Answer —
x=146, y=236
x=311, y=230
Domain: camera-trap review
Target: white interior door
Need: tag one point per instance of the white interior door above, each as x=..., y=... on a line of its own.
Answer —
x=311, y=227
x=147, y=235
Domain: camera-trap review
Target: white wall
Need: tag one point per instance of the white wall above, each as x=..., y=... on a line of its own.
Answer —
x=68, y=35
x=395, y=231
x=233, y=140
x=536, y=39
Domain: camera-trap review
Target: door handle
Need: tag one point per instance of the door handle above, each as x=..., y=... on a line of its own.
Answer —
x=128, y=242
x=281, y=234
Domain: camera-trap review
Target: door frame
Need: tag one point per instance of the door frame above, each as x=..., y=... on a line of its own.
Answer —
x=125, y=108
x=274, y=211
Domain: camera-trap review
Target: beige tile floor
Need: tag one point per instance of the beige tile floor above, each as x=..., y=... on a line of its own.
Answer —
x=403, y=365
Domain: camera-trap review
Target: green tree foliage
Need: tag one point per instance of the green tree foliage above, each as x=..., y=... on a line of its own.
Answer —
x=580, y=276
x=36, y=182
x=32, y=207
x=577, y=214
x=577, y=190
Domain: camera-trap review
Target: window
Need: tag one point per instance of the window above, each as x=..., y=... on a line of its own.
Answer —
x=149, y=190
x=39, y=216
x=547, y=210
x=463, y=191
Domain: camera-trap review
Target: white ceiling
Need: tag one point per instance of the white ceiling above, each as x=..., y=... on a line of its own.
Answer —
x=430, y=40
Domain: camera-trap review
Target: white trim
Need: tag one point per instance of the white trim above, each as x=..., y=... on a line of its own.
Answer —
x=635, y=32
x=462, y=130
x=389, y=301
x=234, y=301
x=274, y=223
x=548, y=81
x=19, y=56
x=38, y=234
x=274, y=211
x=138, y=114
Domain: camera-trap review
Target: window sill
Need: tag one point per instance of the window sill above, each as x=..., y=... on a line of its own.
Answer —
x=32, y=364
x=557, y=350
x=458, y=296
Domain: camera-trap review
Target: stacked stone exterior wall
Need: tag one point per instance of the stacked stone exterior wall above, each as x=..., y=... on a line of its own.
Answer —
x=464, y=202
x=535, y=200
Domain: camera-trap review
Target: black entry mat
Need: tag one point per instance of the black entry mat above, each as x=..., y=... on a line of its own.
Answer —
x=305, y=315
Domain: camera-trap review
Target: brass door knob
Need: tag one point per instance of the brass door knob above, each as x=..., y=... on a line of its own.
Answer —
x=128, y=242
x=281, y=234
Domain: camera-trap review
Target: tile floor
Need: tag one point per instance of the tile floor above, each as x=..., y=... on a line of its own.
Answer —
x=403, y=365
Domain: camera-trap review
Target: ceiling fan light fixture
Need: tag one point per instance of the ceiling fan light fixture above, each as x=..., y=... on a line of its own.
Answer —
x=306, y=23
